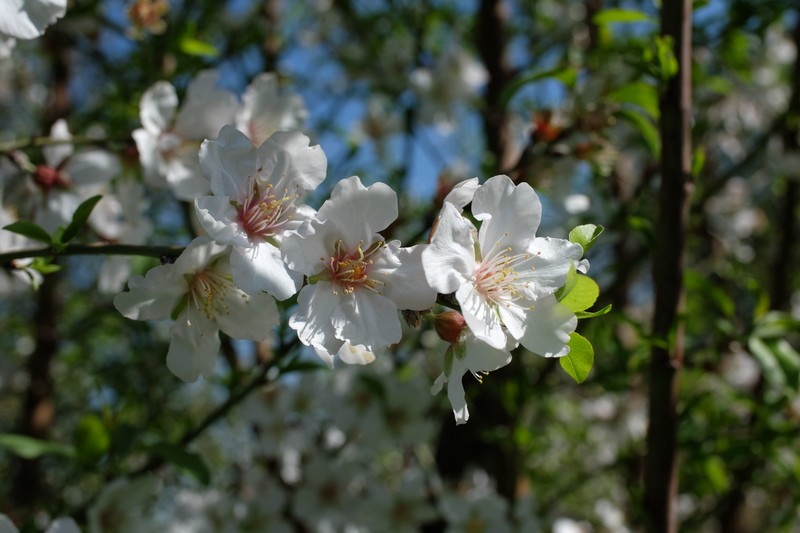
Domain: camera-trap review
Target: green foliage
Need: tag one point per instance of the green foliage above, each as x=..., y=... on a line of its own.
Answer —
x=585, y=235
x=580, y=359
x=582, y=295
x=92, y=439
x=30, y=230
x=30, y=448
x=79, y=219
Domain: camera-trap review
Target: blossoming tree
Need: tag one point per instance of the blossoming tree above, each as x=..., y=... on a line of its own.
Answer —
x=244, y=249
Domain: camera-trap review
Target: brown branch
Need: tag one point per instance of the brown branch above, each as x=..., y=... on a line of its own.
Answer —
x=38, y=412
x=94, y=248
x=661, y=478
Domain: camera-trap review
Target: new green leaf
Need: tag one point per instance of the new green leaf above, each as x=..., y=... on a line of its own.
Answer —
x=188, y=462
x=583, y=294
x=30, y=448
x=578, y=362
x=79, y=219
x=585, y=235
x=30, y=230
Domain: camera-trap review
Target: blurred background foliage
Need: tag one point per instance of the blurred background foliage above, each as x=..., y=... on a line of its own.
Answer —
x=421, y=94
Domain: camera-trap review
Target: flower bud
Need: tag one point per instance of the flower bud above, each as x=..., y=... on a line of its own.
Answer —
x=449, y=326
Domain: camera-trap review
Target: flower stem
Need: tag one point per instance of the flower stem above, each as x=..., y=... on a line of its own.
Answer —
x=95, y=248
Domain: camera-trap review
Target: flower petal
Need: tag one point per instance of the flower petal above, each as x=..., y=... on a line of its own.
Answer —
x=157, y=107
x=355, y=355
x=193, y=347
x=480, y=317
x=27, y=19
x=406, y=285
x=312, y=319
x=152, y=297
x=365, y=317
x=219, y=218
x=206, y=108
x=55, y=154
x=229, y=161
x=248, y=317
x=510, y=214
x=260, y=268
x=547, y=328
x=359, y=212
x=267, y=109
x=291, y=163
x=306, y=249
x=551, y=260
x=450, y=258
x=462, y=193
x=456, y=395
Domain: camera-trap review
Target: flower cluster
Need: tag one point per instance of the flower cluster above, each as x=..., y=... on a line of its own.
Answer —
x=263, y=243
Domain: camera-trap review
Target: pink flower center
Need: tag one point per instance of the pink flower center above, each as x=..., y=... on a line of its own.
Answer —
x=498, y=279
x=350, y=270
x=48, y=177
x=263, y=214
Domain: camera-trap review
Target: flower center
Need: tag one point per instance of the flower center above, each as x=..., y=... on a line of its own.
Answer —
x=350, y=270
x=498, y=279
x=263, y=214
x=207, y=291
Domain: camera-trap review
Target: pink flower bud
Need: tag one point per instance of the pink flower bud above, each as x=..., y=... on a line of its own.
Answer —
x=449, y=326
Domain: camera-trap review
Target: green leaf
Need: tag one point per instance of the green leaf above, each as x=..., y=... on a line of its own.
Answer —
x=30, y=448
x=568, y=76
x=92, y=439
x=592, y=314
x=659, y=57
x=578, y=362
x=572, y=277
x=195, y=47
x=30, y=230
x=769, y=363
x=639, y=94
x=621, y=16
x=188, y=462
x=646, y=128
x=583, y=294
x=717, y=474
x=585, y=235
x=44, y=265
x=79, y=219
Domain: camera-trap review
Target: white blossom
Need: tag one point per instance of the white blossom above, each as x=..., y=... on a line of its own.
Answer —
x=197, y=291
x=257, y=201
x=357, y=281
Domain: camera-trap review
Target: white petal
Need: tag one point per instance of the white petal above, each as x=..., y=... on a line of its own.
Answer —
x=291, y=163
x=219, y=218
x=450, y=257
x=229, y=161
x=455, y=393
x=250, y=317
x=510, y=214
x=63, y=525
x=6, y=525
x=406, y=285
x=27, y=19
x=438, y=384
x=480, y=357
x=193, y=348
x=323, y=354
x=152, y=297
x=312, y=318
x=199, y=253
x=358, y=212
x=266, y=109
x=306, y=250
x=513, y=317
x=92, y=167
x=55, y=154
x=206, y=108
x=147, y=146
x=260, y=268
x=551, y=260
x=184, y=177
x=157, y=107
x=461, y=194
x=355, y=355
x=480, y=317
x=548, y=326
x=365, y=317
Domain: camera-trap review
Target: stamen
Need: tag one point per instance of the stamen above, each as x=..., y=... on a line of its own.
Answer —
x=350, y=270
x=262, y=214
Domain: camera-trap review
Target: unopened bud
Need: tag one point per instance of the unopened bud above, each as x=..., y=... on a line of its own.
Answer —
x=48, y=177
x=449, y=326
